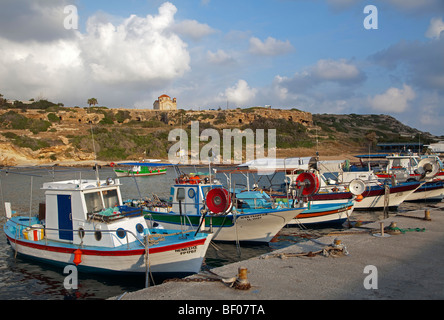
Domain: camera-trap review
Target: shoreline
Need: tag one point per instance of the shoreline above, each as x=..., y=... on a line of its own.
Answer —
x=89, y=163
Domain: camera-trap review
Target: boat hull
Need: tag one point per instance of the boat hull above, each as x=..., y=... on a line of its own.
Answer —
x=257, y=226
x=183, y=257
x=375, y=198
x=429, y=191
x=129, y=173
x=324, y=214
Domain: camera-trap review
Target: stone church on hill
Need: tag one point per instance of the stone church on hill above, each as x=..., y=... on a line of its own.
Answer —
x=165, y=103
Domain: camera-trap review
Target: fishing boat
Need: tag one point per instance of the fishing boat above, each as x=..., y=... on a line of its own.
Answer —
x=315, y=214
x=339, y=186
x=411, y=167
x=415, y=168
x=304, y=187
x=84, y=223
x=202, y=202
x=137, y=169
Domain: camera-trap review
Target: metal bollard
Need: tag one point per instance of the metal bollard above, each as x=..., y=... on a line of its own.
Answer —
x=242, y=282
x=427, y=215
x=394, y=228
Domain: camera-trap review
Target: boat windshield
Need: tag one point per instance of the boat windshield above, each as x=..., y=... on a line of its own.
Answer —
x=93, y=202
x=110, y=198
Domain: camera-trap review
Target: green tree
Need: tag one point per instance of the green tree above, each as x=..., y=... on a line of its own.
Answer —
x=92, y=102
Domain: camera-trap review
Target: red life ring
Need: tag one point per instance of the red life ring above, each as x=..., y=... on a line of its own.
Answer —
x=310, y=182
x=218, y=200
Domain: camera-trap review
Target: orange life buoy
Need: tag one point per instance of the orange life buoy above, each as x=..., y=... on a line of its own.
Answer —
x=77, y=257
x=194, y=180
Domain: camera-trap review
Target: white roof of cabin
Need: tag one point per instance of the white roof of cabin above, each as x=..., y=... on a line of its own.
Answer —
x=79, y=184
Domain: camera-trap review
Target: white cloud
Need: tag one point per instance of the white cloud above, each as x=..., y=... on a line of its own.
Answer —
x=435, y=28
x=137, y=50
x=335, y=70
x=193, y=29
x=270, y=47
x=393, y=100
x=142, y=51
x=33, y=20
x=220, y=57
x=341, y=72
x=241, y=94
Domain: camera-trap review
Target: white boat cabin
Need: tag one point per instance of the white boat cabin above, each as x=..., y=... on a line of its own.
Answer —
x=87, y=212
x=190, y=198
x=331, y=172
x=409, y=163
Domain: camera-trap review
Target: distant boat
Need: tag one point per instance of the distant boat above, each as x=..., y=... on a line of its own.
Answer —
x=376, y=194
x=414, y=168
x=335, y=183
x=84, y=223
x=137, y=169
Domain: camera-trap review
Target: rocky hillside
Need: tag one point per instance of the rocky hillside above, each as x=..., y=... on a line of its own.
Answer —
x=46, y=133
x=371, y=129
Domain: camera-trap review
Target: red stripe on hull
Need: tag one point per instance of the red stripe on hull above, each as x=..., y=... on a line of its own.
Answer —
x=110, y=252
x=322, y=213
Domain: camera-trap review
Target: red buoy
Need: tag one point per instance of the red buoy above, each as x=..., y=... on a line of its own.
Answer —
x=77, y=257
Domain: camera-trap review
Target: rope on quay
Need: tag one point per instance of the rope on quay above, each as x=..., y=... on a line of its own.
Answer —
x=336, y=249
x=393, y=229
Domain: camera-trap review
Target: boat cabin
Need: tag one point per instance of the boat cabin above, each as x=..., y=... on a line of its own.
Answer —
x=188, y=194
x=190, y=198
x=90, y=212
x=408, y=163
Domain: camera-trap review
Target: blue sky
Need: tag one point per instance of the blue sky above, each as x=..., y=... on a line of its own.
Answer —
x=314, y=55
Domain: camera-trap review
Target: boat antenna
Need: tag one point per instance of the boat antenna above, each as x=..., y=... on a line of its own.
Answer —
x=30, y=202
x=96, y=167
x=317, y=141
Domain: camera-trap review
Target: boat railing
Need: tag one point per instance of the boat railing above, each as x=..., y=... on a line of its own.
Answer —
x=254, y=202
x=82, y=232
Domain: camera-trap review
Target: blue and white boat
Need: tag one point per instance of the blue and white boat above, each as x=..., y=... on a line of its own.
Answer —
x=83, y=222
x=204, y=203
x=321, y=214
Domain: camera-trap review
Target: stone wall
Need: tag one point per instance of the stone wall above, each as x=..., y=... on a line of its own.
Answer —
x=232, y=117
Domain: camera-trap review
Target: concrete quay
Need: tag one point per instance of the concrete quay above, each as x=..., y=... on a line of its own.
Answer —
x=406, y=266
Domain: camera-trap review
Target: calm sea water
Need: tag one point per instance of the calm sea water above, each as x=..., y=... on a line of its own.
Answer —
x=22, y=279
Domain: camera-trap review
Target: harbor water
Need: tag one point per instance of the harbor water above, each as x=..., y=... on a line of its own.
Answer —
x=22, y=279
